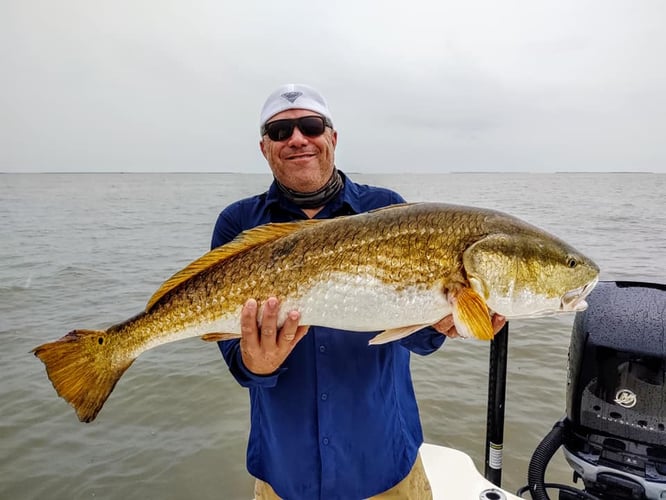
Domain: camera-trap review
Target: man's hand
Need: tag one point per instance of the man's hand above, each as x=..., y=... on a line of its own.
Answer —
x=264, y=350
x=446, y=326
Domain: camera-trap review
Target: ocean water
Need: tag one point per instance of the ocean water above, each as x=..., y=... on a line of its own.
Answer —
x=88, y=250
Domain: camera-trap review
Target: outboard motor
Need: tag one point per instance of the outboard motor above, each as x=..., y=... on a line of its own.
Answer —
x=614, y=433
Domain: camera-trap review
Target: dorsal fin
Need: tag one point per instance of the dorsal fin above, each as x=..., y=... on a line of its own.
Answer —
x=391, y=207
x=244, y=241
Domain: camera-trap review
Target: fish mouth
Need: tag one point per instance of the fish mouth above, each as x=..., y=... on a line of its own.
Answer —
x=574, y=300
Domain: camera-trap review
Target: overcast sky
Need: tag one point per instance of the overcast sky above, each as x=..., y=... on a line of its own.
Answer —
x=413, y=86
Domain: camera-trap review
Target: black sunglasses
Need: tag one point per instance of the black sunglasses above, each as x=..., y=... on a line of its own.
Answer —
x=310, y=126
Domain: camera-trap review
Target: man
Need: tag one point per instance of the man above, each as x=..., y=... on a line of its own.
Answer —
x=331, y=417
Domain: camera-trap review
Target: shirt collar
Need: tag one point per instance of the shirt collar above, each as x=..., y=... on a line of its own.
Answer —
x=348, y=196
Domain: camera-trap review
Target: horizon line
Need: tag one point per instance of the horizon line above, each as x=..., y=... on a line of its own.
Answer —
x=351, y=172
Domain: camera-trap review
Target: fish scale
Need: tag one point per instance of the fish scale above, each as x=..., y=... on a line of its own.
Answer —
x=393, y=270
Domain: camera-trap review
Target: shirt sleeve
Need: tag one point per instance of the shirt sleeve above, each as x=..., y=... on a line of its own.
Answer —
x=231, y=352
x=227, y=226
x=423, y=342
x=397, y=198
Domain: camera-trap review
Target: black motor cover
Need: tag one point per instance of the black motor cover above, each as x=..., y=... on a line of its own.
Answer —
x=616, y=387
x=617, y=361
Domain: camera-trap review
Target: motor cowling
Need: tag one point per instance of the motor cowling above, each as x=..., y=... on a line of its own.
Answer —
x=615, y=430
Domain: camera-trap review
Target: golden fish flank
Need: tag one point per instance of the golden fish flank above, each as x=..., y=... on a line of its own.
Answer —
x=416, y=263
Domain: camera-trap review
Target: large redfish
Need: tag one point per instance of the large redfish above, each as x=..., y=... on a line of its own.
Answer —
x=393, y=270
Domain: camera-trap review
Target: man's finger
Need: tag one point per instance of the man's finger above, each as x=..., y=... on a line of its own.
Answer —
x=269, y=322
x=249, y=331
x=445, y=325
x=498, y=322
x=290, y=327
x=300, y=333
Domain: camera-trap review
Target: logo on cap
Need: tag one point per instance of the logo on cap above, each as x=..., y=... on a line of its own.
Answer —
x=291, y=96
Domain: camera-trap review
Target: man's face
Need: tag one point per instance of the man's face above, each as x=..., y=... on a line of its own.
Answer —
x=301, y=163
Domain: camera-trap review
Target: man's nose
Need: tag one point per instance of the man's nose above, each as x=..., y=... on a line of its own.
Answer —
x=297, y=138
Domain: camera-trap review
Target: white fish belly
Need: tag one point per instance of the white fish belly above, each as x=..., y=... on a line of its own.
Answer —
x=348, y=302
x=364, y=303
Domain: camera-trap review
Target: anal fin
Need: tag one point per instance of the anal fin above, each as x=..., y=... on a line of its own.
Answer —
x=218, y=337
x=394, y=334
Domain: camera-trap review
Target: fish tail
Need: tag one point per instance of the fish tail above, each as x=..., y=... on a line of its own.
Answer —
x=84, y=367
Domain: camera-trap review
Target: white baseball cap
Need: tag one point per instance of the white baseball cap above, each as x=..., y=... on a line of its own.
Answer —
x=294, y=96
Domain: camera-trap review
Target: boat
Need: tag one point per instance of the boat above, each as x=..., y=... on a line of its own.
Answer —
x=614, y=432
x=453, y=475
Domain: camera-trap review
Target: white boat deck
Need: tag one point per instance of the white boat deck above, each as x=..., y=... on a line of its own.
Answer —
x=453, y=476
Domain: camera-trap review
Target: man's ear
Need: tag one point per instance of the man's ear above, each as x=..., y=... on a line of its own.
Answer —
x=262, y=146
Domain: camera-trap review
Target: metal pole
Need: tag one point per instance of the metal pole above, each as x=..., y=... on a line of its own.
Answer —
x=496, y=400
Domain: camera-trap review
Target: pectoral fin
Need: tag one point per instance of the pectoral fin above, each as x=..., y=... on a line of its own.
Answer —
x=471, y=315
x=218, y=337
x=394, y=334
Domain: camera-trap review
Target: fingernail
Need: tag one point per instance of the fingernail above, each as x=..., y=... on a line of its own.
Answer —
x=294, y=315
x=272, y=302
x=251, y=303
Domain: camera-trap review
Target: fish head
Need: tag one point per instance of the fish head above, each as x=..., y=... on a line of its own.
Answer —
x=529, y=273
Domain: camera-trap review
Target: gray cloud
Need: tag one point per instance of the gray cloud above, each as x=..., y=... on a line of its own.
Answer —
x=419, y=86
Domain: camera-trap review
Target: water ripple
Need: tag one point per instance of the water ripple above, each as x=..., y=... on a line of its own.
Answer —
x=88, y=251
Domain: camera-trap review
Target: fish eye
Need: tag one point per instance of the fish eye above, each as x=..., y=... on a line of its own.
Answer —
x=572, y=262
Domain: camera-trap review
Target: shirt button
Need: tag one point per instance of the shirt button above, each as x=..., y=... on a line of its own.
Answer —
x=325, y=440
x=322, y=348
x=324, y=396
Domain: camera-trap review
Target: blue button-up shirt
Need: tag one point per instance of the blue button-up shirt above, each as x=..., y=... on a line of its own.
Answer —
x=339, y=419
